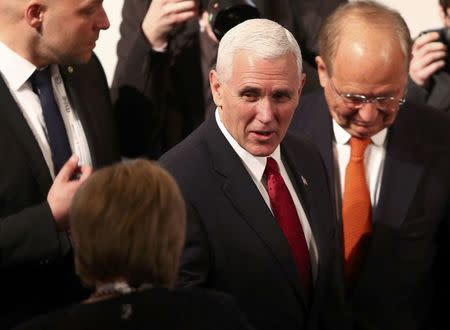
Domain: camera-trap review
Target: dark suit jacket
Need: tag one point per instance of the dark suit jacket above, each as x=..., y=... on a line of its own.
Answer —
x=233, y=241
x=36, y=272
x=404, y=280
x=156, y=308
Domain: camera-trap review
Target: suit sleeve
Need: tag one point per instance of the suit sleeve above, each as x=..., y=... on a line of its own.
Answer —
x=195, y=260
x=31, y=236
x=436, y=96
x=138, y=87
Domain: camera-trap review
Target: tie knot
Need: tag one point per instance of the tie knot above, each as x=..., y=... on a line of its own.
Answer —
x=358, y=146
x=40, y=78
x=271, y=166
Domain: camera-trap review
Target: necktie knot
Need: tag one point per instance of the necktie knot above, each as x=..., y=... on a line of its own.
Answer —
x=358, y=147
x=271, y=167
x=40, y=79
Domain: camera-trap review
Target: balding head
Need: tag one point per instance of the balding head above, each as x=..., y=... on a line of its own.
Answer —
x=368, y=23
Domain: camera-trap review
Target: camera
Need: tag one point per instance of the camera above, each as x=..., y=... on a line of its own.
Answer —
x=226, y=14
x=444, y=37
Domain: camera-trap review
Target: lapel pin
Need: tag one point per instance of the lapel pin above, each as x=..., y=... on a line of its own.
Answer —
x=70, y=69
x=305, y=183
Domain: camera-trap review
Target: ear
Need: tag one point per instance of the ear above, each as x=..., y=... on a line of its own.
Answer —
x=321, y=71
x=216, y=87
x=302, y=83
x=34, y=13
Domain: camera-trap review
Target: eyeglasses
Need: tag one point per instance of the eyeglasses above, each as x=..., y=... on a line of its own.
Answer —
x=383, y=103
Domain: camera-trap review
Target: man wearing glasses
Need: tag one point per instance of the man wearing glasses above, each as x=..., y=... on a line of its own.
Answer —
x=389, y=163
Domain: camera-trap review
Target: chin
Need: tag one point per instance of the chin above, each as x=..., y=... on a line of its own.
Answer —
x=261, y=151
x=363, y=132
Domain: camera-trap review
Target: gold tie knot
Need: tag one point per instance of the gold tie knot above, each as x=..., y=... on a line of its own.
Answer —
x=358, y=147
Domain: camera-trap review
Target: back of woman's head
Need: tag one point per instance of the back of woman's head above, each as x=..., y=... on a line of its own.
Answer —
x=128, y=223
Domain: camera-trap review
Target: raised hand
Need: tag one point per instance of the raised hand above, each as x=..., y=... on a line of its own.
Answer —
x=163, y=16
x=63, y=189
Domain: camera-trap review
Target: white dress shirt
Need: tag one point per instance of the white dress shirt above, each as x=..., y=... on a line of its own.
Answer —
x=374, y=157
x=15, y=70
x=256, y=167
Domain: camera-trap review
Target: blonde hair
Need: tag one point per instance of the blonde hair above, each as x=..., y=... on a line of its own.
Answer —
x=128, y=222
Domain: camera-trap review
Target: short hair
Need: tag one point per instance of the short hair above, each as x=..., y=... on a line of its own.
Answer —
x=368, y=12
x=262, y=37
x=128, y=222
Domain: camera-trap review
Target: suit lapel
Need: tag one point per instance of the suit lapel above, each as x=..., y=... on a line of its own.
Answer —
x=12, y=116
x=240, y=189
x=74, y=85
x=301, y=179
x=402, y=172
x=316, y=124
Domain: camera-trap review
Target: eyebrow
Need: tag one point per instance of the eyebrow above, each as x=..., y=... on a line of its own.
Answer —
x=249, y=89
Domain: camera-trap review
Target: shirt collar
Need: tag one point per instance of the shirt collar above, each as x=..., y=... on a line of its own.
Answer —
x=15, y=69
x=255, y=165
x=341, y=136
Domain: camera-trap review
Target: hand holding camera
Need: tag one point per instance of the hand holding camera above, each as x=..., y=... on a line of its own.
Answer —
x=430, y=54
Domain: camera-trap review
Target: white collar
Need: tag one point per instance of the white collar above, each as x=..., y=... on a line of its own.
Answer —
x=15, y=69
x=256, y=165
x=341, y=136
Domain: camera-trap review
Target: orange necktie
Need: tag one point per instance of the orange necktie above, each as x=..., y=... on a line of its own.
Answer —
x=356, y=208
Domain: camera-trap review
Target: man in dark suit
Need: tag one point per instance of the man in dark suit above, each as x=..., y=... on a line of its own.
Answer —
x=243, y=237
x=400, y=277
x=55, y=38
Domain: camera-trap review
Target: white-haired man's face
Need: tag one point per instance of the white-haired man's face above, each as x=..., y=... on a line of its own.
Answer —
x=257, y=102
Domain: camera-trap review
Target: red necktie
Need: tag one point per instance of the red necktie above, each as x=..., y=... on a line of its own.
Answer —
x=287, y=217
x=356, y=208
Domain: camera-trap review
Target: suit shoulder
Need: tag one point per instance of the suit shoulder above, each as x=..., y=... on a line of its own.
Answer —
x=214, y=307
x=430, y=126
x=188, y=156
x=300, y=143
x=93, y=68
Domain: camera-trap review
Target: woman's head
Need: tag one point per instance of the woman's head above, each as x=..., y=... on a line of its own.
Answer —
x=128, y=223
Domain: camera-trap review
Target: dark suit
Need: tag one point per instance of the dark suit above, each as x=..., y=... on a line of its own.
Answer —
x=235, y=245
x=36, y=272
x=156, y=308
x=403, y=283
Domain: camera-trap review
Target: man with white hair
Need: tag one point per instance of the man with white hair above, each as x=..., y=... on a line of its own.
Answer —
x=260, y=225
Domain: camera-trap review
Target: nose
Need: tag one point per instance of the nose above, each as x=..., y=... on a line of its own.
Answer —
x=103, y=21
x=265, y=112
x=368, y=112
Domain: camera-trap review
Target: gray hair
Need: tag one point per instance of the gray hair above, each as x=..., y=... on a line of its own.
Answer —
x=262, y=37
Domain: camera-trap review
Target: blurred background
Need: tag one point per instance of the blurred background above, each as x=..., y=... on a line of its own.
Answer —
x=420, y=15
